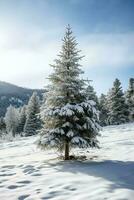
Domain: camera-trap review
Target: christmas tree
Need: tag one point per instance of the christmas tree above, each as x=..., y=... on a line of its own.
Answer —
x=69, y=118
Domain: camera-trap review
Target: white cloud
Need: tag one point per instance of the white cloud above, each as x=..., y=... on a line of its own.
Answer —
x=25, y=55
x=108, y=50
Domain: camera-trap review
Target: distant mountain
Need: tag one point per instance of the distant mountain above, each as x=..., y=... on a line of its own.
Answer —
x=14, y=95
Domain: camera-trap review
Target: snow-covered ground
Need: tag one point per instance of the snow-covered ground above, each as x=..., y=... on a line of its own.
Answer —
x=29, y=173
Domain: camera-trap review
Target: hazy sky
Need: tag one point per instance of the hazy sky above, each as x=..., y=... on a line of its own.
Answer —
x=31, y=32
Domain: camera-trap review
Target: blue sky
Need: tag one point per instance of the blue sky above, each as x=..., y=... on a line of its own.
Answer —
x=31, y=32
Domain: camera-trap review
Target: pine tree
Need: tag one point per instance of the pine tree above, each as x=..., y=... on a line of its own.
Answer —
x=22, y=120
x=2, y=124
x=11, y=120
x=91, y=94
x=130, y=98
x=118, y=110
x=69, y=119
x=103, y=109
x=33, y=122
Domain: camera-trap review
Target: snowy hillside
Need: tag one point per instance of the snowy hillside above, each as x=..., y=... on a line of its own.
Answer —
x=29, y=173
x=14, y=95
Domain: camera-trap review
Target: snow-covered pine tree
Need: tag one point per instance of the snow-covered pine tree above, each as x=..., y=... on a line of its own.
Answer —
x=11, y=120
x=91, y=94
x=130, y=98
x=22, y=120
x=2, y=124
x=118, y=109
x=103, y=109
x=33, y=122
x=69, y=119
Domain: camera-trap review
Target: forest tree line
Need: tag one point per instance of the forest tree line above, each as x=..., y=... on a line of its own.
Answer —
x=115, y=107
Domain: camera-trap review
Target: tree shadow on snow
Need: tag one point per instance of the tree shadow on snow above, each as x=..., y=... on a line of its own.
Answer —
x=119, y=173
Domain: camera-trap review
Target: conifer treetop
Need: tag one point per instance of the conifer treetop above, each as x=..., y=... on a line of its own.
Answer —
x=118, y=110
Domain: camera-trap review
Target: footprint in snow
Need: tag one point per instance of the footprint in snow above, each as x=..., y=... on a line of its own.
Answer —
x=29, y=169
x=24, y=182
x=28, y=166
x=11, y=174
x=70, y=188
x=23, y=197
x=12, y=187
x=9, y=166
x=37, y=174
x=51, y=195
x=21, y=166
x=38, y=191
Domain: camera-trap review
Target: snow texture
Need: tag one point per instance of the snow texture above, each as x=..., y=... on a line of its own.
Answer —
x=29, y=173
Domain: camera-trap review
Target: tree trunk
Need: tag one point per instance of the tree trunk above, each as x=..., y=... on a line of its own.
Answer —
x=66, y=151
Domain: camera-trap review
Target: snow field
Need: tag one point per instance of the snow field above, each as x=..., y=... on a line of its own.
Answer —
x=29, y=173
